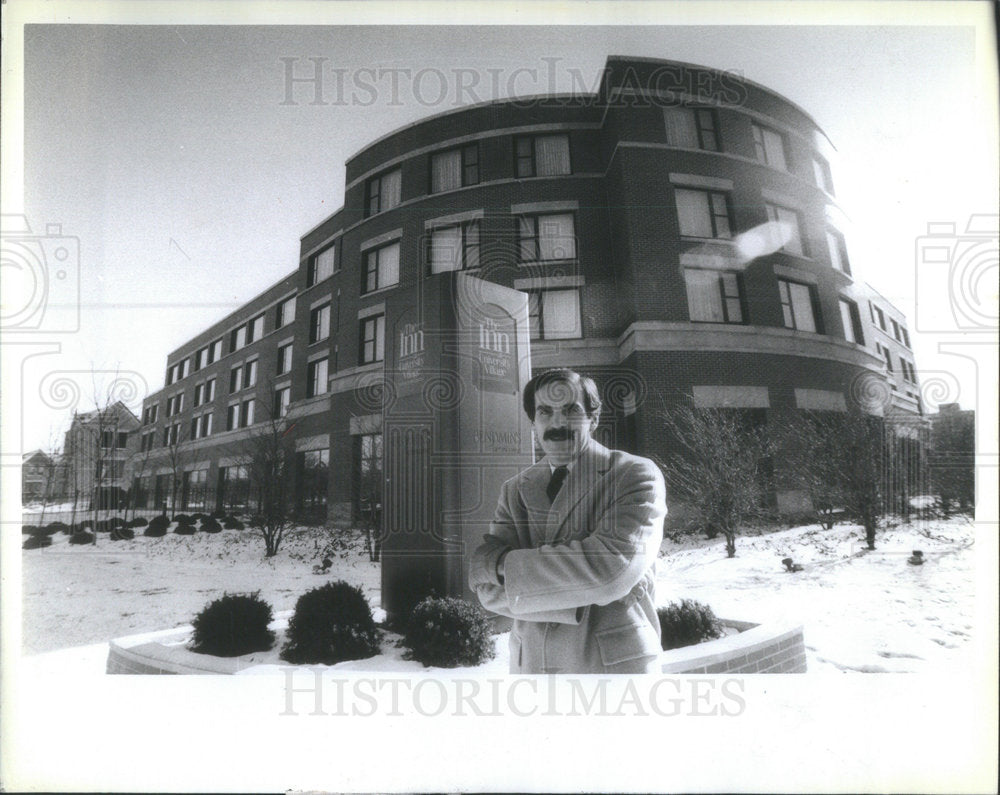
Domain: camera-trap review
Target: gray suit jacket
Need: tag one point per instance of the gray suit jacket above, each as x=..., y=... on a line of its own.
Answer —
x=579, y=574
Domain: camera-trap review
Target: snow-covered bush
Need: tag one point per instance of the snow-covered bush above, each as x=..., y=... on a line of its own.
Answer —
x=331, y=623
x=687, y=623
x=56, y=527
x=448, y=633
x=82, y=537
x=232, y=625
x=122, y=534
x=157, y=526
x=185, y=530
x=183, y=518
x=210, y=525
x=138, y=521
x=36, y=541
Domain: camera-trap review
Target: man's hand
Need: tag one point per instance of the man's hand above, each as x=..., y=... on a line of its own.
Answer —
x=500, y=565
x=489, y=555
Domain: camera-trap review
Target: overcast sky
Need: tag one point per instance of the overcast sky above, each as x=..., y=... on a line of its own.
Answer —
x=177, y=157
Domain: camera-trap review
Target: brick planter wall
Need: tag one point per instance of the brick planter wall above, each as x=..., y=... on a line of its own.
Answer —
x=758, y=649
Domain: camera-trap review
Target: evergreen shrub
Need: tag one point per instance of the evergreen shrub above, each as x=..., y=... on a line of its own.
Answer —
x=82, y=537
x=232, y=625
x=449, y=632
x=687, y=623
x=331, y=623
x=157, y=526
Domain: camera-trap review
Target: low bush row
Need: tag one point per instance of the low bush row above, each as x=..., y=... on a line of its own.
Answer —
x=334, y=622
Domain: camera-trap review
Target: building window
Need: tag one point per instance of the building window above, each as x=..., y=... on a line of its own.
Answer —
x=237, y=338
x=797, y=305
x=194, y=490
x=171, y=434
x=906, y=337
x=282, y=397
x=713, y=296
x=456, y=168
x=284, y=359
x=149, y=414
x=822, y=175
x=199, y=395
x=321, y=265
x=236, y=379
x=789, y=221
x=691, y=128
x=204, y=393
x=175, y=404
x=372, y=339
x=454, y=248
x=201, y=358
x=234, y=488
x=319, y=323
x=838, y=251
x=878, y=316
x=368, y=465
x=255, y=329
x=895, y=330
x=554, y=314
x=703, y=213
x=317, y=378
x=886, y=354
x=851, y=320
x=232, y=417
x=285, y=313
x=544, y=238
x=250, y=374
x=215, y=351
x=246, y=412
x=541, y=155
x=769, y=147
x=146, y=441
x=201, y=426
x=909, y=373
x=381, y=268
x=383, y=192
x=314, y=466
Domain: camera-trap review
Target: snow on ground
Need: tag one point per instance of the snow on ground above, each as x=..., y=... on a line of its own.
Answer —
x=862, y=611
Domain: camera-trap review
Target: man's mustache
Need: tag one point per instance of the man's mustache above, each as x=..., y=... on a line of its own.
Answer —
x=557, y=434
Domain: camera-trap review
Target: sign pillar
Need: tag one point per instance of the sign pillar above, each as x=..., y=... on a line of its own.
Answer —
x=457, y=359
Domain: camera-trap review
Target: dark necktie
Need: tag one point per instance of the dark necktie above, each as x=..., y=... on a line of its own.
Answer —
x=558, y=476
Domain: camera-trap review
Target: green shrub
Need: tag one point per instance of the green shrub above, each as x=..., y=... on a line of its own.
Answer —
x=197, y=517
x=232, y=523
x=56, y=527
x=183, y=518
x=185, y=530
x=29, y=529
x=233, y=625
x=448, y=633
x=82, y=537
x=36, y=541
x=687, y=623
x=138, y=522
x=330, y=624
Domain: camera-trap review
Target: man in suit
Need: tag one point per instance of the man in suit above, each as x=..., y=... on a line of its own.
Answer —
x=571, y=551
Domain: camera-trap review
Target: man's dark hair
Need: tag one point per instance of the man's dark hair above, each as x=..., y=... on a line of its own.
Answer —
x=562, y=375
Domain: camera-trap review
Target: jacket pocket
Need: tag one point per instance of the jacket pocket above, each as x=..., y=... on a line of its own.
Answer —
x=629, y=642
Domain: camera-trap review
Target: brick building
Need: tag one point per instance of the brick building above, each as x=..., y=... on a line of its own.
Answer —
x=678, y=235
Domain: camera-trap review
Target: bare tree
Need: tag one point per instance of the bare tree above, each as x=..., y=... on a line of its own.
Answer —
x=177, y=458
x=864, y=461
x=718, y=466
x=268, y=456
x=811, y=444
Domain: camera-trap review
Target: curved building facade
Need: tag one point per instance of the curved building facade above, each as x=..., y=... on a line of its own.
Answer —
x=678, y=234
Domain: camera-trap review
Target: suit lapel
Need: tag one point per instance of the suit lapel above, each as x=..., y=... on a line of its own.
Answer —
x=532, y=488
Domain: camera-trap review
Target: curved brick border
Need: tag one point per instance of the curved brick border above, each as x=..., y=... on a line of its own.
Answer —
x=758, y=648
x=775, y=648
